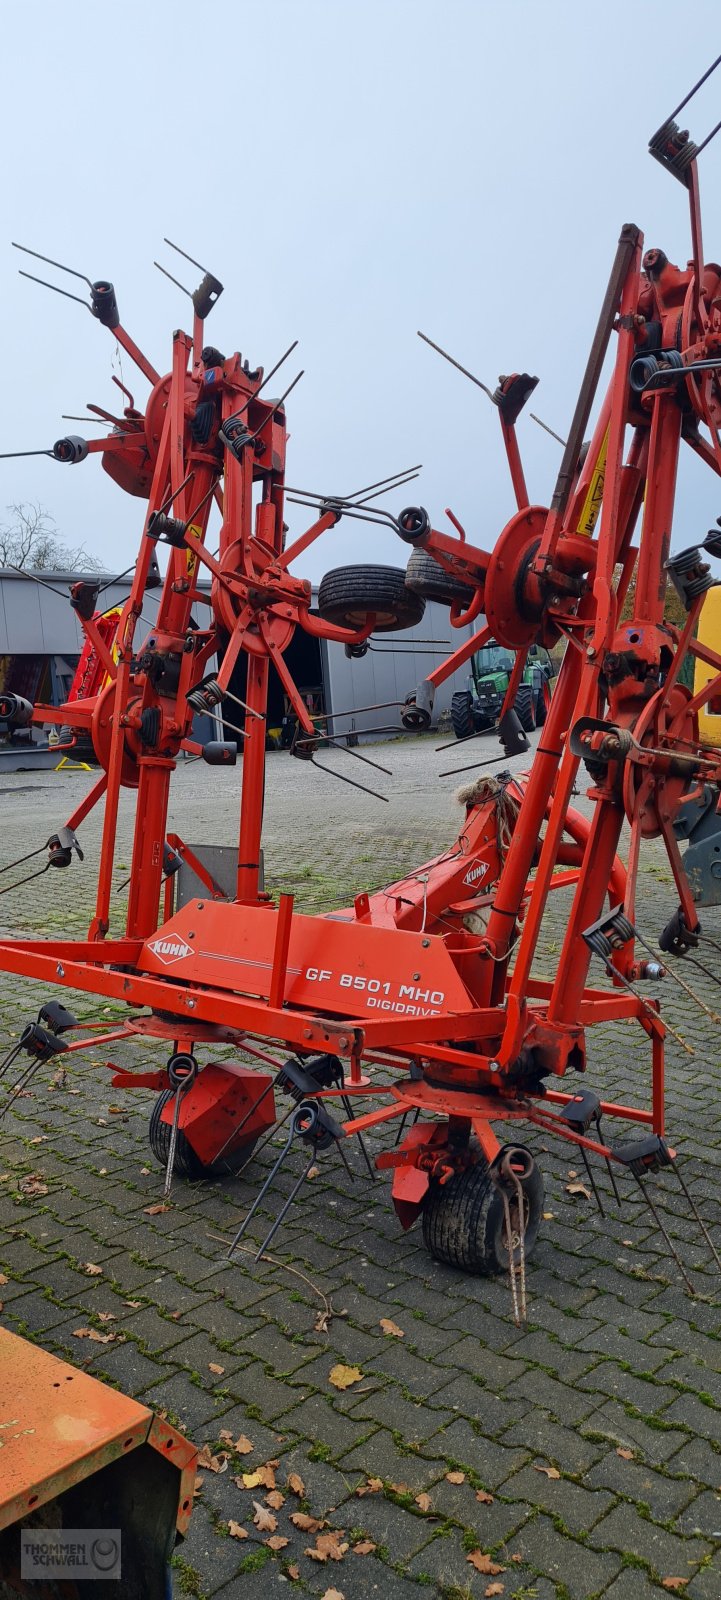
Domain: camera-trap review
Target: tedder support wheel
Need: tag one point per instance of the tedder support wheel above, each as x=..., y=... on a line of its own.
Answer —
x=464, y=1220
x=186, y=1163
x=348, y=594
x=427, y=578
x=523, y=707
x=462, y=714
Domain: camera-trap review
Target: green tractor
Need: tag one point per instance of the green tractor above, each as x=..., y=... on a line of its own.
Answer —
x=479, y=706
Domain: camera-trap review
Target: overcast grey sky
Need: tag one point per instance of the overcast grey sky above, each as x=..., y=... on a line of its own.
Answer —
x=351, y=170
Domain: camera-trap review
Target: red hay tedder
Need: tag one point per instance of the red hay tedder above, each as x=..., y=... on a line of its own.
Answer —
x=423, y=995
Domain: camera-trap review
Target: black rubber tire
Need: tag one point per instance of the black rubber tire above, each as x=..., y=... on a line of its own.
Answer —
x=186, y=1163
x=462, y=714
x=347, y=594
x=427, y=578
x=463, y=1221
x=523, y=707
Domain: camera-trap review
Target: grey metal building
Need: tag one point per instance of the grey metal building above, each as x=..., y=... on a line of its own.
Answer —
x=41, y=640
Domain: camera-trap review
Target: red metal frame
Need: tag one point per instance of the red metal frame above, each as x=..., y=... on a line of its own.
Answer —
x=435, y=972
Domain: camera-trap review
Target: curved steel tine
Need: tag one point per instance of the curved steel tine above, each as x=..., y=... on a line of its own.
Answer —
x=266, y=1186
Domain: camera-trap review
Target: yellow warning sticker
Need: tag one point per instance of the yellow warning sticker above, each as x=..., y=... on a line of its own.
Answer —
x=191, y=560
x=592, y=503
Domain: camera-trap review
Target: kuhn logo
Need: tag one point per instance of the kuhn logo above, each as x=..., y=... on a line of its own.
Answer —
x=474, y=873
x=170, y=950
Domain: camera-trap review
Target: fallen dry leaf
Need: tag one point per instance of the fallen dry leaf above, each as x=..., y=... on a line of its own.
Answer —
x=372, y=1486
x=391, y=1329
x=155, y=1211
x=242, y=1446
x=333, y=1594
x=116, y=1111
x=313, y=1173
x=423, y=1502
x=572, y=1172
x=213, y=1367
x=264, y=1519
x=549, y=1472
x=578, y=1188
x=236, y=1532
x=455, y=1477
x=626, y=1455
x=91, y=1271
x=3, y=1279
x=145, y=1172
x=484, y=1498
x=92, y=1333
x=483, y=1563
x=628, y=1243
x=293, y=1573
x=40, y=1138
x=674, y=1583
x=106, y=1316
x=213, y=1463
x=328, y=1547
x=343, y=1377
x=33, y=1187
x=305, y=1523
x=275, y=1499
x=399, y=1488
x=277, y=1542
x=263, y=1476
x=548, y=1216
x=134, y=1304
x=494, y=1588
x=365, y=1548
x=296, y=1484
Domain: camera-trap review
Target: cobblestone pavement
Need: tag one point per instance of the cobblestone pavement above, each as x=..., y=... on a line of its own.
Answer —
x=579, y=1455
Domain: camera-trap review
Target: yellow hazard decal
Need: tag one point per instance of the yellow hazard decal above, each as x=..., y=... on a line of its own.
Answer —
x=592, y=503
x=191, y=560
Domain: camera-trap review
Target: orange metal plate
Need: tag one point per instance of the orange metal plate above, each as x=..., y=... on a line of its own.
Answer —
x=347, y=969
x=59, y=1425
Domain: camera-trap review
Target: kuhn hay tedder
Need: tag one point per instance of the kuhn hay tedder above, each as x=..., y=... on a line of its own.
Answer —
x=423, y=995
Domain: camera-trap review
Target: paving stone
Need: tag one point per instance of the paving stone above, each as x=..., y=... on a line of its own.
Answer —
x=583, y=1571
x=316, y=1419
x=379, y=1457
x=698, y=1460
x=414, y=1420
x=657, y=1445
x=579, y=1508
x=491, y=1461
x=664, y=1496
x=623, y=1529
x=706, y=1584
x=703, y=1516
x=691, y=1413
x=563, y=1447
x=566, y=1404
x=633, y=1584
x=444, y=1560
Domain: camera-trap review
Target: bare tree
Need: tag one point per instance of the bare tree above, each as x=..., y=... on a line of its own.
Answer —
x=30, y=542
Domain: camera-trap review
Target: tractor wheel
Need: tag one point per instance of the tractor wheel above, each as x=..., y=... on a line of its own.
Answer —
x=347, y=594
x=462, y=714
x=186, y=1163
x=523, y=707
x=464, y=1220
x=426, y=577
